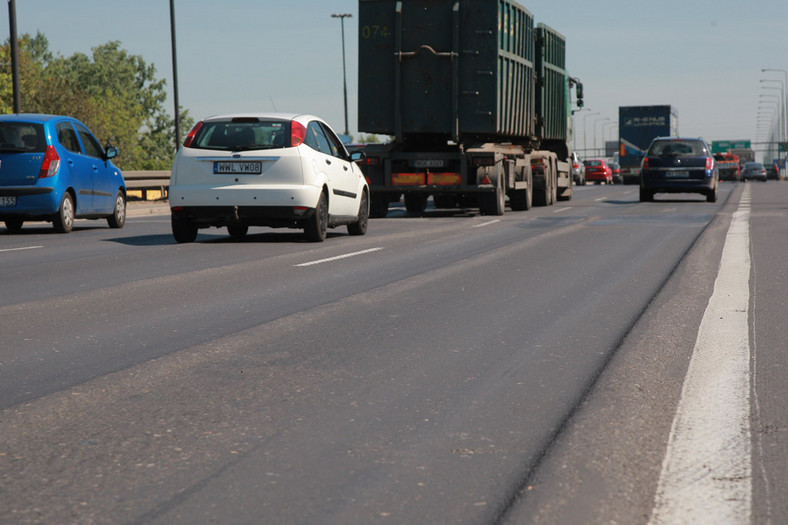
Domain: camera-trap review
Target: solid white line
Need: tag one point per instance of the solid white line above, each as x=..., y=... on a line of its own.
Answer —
x=486, y=223
x=707, y=472
x=345, y=256
x=18, y=249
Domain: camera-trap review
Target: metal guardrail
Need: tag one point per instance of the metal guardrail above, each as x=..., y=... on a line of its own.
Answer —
x=145, y=181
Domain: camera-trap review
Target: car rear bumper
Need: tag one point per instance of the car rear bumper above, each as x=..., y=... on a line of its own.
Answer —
x=31, y=201
x=661, y=184
x=256, y=195
x=272, y=216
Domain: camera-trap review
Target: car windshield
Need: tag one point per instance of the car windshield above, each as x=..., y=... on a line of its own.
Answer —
x=22, y=137
x=677, y=148
x=241, y=134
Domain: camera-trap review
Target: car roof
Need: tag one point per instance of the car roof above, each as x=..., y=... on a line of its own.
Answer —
x=276, y=116
x=32, y=117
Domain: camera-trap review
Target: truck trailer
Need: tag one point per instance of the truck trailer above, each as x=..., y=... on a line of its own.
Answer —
x=637, y=127
x=477, y=99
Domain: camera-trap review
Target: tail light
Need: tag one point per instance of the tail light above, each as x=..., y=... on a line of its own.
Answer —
x=709, y=163
x=645, y=163
x=190, y=137
x=297, y=133
x=51, y=163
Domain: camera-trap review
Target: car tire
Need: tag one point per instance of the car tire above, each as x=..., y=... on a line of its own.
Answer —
x=360, y=226
x=646, y=195
x=63, y=220
x=118, y=217
x=14, y=225
x=316, y=226
x=183, y=230
x=237, y=231
x=711, y=195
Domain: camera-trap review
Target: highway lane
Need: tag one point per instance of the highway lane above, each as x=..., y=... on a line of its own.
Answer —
x=421, y=377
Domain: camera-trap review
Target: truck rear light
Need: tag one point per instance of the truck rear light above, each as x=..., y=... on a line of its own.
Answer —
x=51, y=163
x=407, y=179
x=443, y=179
x=297, y=133
x=190, y=137
x=372, y=161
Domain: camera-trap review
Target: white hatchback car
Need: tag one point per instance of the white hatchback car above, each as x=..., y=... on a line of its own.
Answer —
x=266, y=169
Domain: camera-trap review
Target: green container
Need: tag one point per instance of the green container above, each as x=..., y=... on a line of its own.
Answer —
x=462, y=69
x=552, y=99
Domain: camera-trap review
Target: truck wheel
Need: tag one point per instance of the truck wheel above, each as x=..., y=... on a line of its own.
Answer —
x=521, y=200
x=237, y=231
x=493, y=203
x=378, y=205
x=416, y=203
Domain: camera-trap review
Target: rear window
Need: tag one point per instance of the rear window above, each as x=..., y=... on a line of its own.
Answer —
x=593, y=163
x=243, y=134
x=22, y=137
x=678, y=148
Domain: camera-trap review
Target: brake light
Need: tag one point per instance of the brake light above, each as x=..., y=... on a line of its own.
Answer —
x=190, y=137
x=709, y=163
x=297, y=133
x=51, y=163
x=645, y=163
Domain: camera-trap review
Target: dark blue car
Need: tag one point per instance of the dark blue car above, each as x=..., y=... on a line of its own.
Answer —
x=678, y=165
x=52, y=168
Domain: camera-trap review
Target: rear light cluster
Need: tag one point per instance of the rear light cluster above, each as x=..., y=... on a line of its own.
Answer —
x=645, y=163
x=51, y=163
x=190, y=137
x=709, y=163
x=297, y=133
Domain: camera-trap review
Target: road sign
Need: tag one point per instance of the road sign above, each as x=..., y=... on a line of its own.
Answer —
x=721, y=146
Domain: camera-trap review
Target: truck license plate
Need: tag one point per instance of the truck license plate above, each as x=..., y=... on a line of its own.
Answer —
x=7, y=201
x=237, y=168
x=428, y=163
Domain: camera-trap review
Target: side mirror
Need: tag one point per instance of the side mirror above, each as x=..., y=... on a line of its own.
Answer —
x=579, y=94
x=357, y=156
x=110, y=152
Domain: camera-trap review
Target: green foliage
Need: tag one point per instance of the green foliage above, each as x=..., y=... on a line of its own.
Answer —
x=116, y=94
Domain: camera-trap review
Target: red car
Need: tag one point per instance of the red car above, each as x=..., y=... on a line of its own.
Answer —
x=598, y=171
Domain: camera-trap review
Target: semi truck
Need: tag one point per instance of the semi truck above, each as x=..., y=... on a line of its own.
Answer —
x=477, y=101
x=637, y=127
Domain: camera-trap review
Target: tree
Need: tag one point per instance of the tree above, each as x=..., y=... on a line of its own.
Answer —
x=116, y=94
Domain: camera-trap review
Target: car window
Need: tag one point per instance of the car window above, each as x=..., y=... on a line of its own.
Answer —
x=91, y=145
x=68, y=137
x=22, y=137
x=677, y=147
x=242, y=134
x=316, y=138
x=337, y=148
x=593, y=163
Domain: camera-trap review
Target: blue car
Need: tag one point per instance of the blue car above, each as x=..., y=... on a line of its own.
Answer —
x=53, y=169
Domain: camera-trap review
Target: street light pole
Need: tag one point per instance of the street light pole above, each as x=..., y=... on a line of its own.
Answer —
x=17, y=93
x=585, y=131
x=785, y=101
x=175, y=78
x=344, y=74
x=602, y=119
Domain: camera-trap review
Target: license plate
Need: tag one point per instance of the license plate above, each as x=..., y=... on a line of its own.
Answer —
x=428, y=163
x=677, y=174
x=7, y=202
x=237, y=168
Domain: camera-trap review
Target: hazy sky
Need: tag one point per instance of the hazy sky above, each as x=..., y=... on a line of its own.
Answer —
x=702, y=56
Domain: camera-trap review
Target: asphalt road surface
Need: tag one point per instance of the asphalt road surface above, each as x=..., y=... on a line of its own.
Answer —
x=537, y=367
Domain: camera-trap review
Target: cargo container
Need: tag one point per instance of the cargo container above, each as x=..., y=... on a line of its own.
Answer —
x=637, y=127
x=476, y=98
